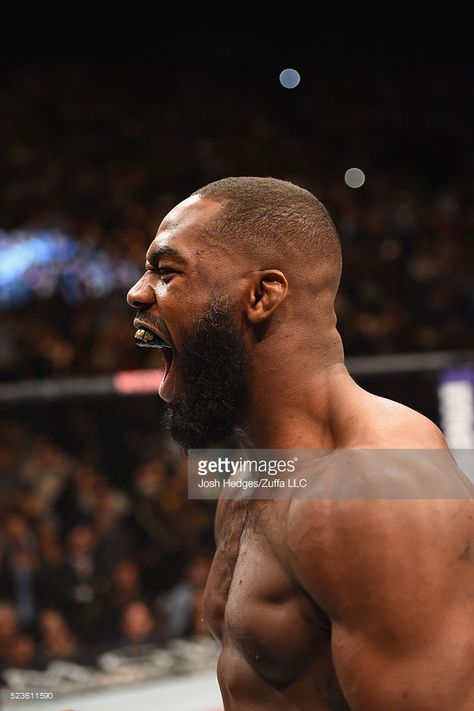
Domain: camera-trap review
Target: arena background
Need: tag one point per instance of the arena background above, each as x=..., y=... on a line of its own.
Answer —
x=102, y=130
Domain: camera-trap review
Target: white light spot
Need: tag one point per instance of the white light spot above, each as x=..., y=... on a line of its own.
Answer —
x=354, y=177
x=289, y=78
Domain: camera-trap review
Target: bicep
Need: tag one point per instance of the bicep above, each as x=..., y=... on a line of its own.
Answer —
x=394, y=671
x=398, y=587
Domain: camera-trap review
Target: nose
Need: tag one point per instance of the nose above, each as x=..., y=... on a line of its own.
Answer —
x=141, y=295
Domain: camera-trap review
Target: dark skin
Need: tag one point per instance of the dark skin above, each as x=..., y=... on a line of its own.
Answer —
x=320, y=604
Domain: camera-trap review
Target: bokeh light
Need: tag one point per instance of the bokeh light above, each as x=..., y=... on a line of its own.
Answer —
x=289, y=78
x=354, y=177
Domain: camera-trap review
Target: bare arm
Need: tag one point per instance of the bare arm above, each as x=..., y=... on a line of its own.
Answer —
x=396, y=579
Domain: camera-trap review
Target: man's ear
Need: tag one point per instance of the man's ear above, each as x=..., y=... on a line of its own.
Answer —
x=269, y=290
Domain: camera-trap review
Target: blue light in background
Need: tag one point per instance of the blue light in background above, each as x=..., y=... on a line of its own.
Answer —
x=38, y=265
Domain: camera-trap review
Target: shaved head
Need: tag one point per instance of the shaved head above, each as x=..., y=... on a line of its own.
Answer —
x=276, y=220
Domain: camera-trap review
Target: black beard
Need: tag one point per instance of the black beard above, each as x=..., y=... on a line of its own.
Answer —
x=212, y=381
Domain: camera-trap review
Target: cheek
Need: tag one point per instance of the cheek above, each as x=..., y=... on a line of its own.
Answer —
x=181, y=305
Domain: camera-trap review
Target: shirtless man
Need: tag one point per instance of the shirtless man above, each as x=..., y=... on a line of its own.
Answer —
x=350, y=602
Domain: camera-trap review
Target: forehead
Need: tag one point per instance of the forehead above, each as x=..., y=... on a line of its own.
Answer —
x=183, y=228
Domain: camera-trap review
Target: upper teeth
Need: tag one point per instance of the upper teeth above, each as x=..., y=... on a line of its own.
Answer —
x=143, y=335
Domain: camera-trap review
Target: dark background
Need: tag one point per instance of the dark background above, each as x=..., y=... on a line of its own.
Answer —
x=103, y=129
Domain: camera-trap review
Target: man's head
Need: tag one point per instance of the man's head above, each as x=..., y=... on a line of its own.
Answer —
x=241, y=267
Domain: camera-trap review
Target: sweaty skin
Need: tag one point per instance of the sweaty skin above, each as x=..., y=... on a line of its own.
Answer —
x=326, y=603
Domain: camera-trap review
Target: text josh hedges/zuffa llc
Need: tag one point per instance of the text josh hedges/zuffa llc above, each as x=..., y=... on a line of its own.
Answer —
x=264, y=483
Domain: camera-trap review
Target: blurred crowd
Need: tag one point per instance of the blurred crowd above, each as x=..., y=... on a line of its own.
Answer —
x=89, y=563
x=100, y=153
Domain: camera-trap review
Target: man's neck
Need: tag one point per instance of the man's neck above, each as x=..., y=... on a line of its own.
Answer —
x=297, y=410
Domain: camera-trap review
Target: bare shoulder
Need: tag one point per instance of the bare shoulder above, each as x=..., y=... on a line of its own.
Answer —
x=391, y=499
x=386, y=423
x=337, y=545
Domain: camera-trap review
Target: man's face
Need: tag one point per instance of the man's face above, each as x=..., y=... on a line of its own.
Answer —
x=187, y=298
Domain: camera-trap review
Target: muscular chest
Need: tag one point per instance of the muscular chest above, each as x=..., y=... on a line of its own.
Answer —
x=252, y=602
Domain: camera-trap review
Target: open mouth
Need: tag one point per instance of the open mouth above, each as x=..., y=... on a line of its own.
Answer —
x=147, y=339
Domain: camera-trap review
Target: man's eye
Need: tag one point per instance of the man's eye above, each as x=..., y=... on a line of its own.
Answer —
x=161, y=271
x=165, y=271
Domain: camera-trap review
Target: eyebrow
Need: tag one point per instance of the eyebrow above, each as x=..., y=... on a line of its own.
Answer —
x=163, y=252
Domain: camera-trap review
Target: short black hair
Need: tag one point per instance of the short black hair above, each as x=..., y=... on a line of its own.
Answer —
x=269, y=215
